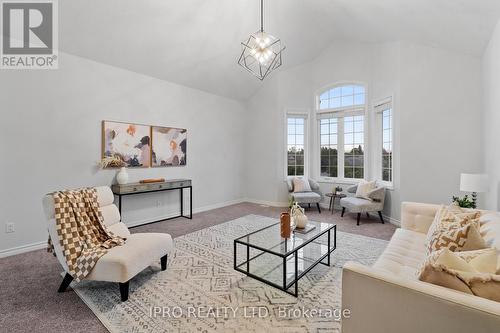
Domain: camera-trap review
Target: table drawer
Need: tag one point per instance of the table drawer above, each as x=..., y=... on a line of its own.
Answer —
x=134, y=188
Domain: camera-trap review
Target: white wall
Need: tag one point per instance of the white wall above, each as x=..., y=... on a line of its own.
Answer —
x=440, y=122
x=491, y=118
x=437, y=123
x=51, y=139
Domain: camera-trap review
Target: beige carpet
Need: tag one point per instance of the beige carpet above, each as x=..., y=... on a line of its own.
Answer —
x=201, y=292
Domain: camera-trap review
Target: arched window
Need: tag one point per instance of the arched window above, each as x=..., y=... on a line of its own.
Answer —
x=342, y=97
x=341, y=117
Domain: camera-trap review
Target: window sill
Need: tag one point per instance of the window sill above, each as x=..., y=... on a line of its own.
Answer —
x=345, y=181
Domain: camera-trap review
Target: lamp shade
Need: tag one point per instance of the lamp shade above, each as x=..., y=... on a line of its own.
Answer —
x=470, y=182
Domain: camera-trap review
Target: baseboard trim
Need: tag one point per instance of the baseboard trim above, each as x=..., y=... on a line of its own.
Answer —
x=266, y=203
x=195, y=211
x=393, y=221
x=23, y=249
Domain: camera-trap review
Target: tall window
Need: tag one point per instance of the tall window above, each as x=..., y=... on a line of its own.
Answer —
x=387, y=145
x=329, y=147
x=354, y=156
x=384, y=115
x=341, y=128
x=295, y=145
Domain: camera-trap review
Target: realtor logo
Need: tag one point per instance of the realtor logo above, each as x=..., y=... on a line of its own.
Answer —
x=29, y=34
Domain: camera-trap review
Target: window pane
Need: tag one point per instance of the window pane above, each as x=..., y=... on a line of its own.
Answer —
x=333, y=172
x=359, y=160
x=359, y=90
x=348, y=126
x=347, y=90
x=324, y=128
x=358, y=126
x=333, y=127
x=295, y=145
x=335, y=92
x=348, y=172
x=358, y=173
x=359, y=99
x=387, y=145
x=334, y=102
x=324, y=95
x=358, y=138
x=324, y=140
x=347, y=100
x=333, y=139
x=324, y=171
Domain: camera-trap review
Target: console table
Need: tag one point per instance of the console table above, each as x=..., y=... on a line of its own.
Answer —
x=169, y=185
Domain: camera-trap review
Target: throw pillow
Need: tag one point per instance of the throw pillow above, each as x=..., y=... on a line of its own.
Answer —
x=469, y=272
x=364, y=188
x=463, y=236
x=447, y=215
x=301, y=185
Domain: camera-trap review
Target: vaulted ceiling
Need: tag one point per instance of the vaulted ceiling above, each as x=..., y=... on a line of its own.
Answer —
x=196, y=43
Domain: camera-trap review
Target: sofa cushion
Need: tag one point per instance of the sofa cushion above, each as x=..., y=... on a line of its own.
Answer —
x=358, y=205
x=306, y=197
x=404, y=254
x=122, y=263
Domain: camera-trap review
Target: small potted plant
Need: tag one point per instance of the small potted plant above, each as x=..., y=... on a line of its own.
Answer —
x=464, y=202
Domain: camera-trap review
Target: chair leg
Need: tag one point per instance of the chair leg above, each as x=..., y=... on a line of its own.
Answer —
x=359, y=215
x=163, y=261
x=309, y=205
x=65, y=283
x=367, y=215
x=381, y=217
x=319, y=209
x=343, y=211
x=124, y=290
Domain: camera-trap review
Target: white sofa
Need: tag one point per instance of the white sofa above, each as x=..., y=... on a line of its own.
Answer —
x=121, y=263
x=388, y=297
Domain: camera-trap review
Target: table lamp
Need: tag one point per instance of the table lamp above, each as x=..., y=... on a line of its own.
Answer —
x=470, y=182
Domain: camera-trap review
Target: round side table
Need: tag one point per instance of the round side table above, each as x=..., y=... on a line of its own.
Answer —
x=332, y=197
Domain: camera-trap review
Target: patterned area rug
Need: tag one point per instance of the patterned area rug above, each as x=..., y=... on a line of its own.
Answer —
x=201, y=292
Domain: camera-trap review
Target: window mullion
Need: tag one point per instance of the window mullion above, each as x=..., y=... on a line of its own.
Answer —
x=340, y=148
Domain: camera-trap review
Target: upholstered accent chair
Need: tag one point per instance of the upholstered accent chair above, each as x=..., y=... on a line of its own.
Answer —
x=313, y=197
x=121, y=263
x=375, y=203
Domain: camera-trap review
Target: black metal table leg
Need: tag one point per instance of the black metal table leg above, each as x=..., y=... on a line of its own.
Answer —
x=328, y=260
x=182, y=201
x=190, y=202
x=248, y=259
x=296, y=273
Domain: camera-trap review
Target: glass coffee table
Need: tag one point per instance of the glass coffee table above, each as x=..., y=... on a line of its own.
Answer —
x=279, y=262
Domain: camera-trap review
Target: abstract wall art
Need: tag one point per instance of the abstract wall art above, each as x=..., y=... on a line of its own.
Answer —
x=168, y=146
x=126, y=144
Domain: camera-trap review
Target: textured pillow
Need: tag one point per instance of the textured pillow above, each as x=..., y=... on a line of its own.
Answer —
x=469, y=272
x=301, y=185
x=364, y=188
x=463, y=236
x=447, y=225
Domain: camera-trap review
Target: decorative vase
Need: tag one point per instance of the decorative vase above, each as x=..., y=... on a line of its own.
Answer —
x=122, y=176
x=298, y=216
x=285, y=225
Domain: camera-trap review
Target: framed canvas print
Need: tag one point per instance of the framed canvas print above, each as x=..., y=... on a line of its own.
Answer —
x=168, y=146
x=126, y=144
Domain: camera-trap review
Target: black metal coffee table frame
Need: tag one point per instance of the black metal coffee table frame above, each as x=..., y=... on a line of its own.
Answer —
x=285, y=257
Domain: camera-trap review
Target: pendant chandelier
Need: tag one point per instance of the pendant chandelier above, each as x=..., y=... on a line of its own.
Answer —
x=261, y=52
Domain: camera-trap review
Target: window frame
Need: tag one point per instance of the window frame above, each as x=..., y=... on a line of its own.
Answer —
x=296, y=113
x=379, y=107
x=340, y=113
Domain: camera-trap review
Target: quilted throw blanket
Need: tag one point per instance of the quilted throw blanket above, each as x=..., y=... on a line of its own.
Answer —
x=82, y=234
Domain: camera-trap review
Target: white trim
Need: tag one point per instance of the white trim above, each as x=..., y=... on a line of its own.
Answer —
x=266, y=203
x=393, y=221
x=377, y=111
x=23, y=249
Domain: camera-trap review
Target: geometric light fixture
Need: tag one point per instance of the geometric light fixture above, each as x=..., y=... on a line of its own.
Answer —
x=261, y=52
